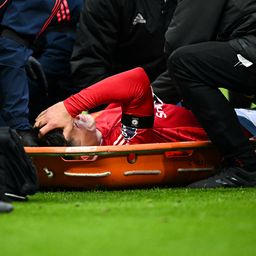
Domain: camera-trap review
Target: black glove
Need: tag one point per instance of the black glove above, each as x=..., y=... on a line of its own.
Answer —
x=35, y=72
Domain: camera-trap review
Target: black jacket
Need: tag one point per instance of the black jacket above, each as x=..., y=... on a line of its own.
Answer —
x=196, y=21
x=117, y=35
x=214, y=20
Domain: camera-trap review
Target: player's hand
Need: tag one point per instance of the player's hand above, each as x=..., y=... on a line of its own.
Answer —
x=54, y=117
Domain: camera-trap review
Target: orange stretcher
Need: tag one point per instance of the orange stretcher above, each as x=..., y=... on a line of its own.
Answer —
x=127, y=166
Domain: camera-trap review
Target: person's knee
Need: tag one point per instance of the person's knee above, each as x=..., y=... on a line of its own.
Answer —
x=180, y=58
x=181, y=65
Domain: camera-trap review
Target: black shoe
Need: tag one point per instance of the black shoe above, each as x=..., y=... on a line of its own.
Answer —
x=5, y=207
x=28, y=137
x=230, y=177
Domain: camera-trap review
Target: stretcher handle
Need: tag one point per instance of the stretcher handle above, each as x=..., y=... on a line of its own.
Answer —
x=203, y=169
x=82, y=174
x=142, y=172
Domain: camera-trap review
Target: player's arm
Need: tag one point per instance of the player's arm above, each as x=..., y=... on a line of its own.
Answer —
x=131, y=89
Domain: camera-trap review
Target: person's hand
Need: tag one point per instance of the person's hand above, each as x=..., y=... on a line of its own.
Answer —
x=55, y=116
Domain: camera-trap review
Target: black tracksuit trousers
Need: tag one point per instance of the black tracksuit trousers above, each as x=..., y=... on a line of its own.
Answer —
x=199, y=71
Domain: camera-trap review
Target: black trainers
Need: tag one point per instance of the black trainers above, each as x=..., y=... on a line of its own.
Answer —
x=230, y=177
x=28, y=137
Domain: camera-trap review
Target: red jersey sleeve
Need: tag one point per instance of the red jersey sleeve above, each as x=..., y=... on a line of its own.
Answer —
x=130, y=89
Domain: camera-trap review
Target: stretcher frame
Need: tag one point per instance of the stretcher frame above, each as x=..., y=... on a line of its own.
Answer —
x=126, y=166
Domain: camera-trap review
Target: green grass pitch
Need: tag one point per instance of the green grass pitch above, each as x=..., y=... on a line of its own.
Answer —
x=159, y=221
x=152, y=222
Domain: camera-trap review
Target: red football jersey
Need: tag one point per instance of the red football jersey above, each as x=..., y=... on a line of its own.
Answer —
x=172, y=123
x=132, y=92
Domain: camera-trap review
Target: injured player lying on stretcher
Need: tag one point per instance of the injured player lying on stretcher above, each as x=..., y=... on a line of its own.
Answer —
x=134, y=116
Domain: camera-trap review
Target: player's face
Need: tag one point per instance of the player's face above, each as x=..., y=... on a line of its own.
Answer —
x=84, y=132
x=76, y=137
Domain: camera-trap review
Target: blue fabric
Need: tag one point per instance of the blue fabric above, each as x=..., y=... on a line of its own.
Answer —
x=13, y=84
x=57, y=50
x=27, y=17
x=57, y=46
x=53, y=51
x=2, y=122
x=247, y=124
x=3, y=6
